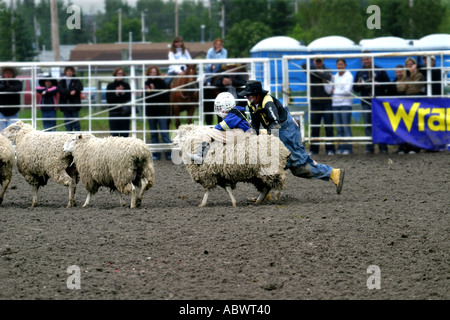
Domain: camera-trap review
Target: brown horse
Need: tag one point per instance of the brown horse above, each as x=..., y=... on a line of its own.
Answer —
x=185, y=97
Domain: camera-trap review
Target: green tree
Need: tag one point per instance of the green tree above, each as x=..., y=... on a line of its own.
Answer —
x=243, y=36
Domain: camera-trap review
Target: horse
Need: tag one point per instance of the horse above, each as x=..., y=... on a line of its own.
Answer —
x=183, y=99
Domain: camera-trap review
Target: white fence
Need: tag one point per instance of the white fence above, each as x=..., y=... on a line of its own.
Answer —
x=295, y=89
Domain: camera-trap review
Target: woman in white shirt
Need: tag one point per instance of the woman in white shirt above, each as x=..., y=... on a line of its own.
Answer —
x=177, y=52
x=342, y=103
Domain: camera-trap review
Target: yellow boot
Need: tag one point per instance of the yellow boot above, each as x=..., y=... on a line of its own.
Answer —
x=337, y=176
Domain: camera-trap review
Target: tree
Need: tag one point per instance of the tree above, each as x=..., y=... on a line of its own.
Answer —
x=243, y=36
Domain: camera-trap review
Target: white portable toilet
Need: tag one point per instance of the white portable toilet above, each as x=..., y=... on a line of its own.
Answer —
x=388, y=44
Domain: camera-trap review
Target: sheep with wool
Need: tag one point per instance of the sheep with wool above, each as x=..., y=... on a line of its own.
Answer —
x=7, y=158
x=118, y=163
x=244, y=157
x=40, y=157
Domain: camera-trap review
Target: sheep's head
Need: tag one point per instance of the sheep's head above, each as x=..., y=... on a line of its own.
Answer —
x=12, y=130
x=69, y=145
x=183, y=132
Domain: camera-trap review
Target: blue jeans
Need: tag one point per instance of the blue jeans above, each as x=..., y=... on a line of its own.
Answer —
x=161, y=123
x=300, y=163
x=343, y=117
x=71, y=124
x=5, y=121
x=49, y=123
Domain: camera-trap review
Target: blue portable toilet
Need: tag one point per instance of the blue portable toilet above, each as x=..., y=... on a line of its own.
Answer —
x=388, y=44
x=275, y=48
x=336, y=45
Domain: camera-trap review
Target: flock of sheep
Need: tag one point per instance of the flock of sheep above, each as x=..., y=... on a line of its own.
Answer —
x=125, y=165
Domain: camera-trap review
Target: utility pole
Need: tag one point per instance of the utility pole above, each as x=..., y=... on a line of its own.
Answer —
x=176, y=18
x=223, y=21
x=143, y=26
x=120, y=26
x=55, y=30
x=13, y=33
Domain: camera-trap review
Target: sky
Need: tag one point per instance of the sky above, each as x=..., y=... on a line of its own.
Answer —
x=92, y=6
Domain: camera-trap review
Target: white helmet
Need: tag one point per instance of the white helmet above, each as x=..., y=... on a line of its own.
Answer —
x=223, y=103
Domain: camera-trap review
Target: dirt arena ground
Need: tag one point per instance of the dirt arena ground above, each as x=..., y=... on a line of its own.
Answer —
x=393, y=216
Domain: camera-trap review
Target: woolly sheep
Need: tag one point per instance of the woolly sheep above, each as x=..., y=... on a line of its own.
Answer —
x=40, y=157
x=7, y=157
x=117, y=163
x=259, y=160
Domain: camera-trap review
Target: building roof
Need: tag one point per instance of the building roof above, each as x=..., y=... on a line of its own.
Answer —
x=140, y=51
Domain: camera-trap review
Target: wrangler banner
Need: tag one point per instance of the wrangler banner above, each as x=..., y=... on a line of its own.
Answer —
x=422, y=122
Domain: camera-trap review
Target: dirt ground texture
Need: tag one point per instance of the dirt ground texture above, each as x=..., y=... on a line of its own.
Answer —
x=393, y=214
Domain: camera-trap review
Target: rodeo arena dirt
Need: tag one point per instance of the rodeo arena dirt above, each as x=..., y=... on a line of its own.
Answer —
x=313, y=244
x=384, y=237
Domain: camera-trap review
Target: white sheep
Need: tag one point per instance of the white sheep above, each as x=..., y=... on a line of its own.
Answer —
x=40, y=157
x=118, y=163
x=7, y=158
x=259, y=160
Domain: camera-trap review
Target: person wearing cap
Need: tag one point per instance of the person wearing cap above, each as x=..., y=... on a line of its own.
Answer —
x=48, y=102
x=321, y=107
x=436, y=76
x=266, y=111
x=9, y=97
x=69, y=89
x=231, y=80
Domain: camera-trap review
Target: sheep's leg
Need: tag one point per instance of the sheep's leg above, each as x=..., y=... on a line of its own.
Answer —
x=35, y=196
x=262, y=196
x=205, y=198
x=133, y=196
x=144, y=183
x=233, y=199
x=72, y=189
x=5, y=186
x=88, y=200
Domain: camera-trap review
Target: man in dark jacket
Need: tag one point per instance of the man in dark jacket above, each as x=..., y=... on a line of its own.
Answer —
x=266, y=111
x=363, y=85
x=436, y=75
x=9, y=97
x=69, y=89
x=321, y=106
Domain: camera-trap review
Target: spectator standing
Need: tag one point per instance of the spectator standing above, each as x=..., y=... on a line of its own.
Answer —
x=320, y=105
x=342, y=102
x=9, y=97
x=364, y=79
x=436, y=76
x=216, y=52
x=48, y=103
x=178, y=52
x=411, y=84
x=119, y=92
x=157, y=105
x=69, y=89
